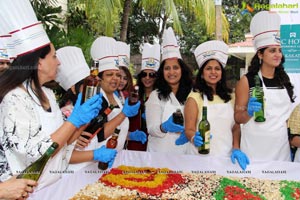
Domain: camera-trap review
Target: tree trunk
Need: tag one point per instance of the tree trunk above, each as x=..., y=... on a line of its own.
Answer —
x=125, y=18
x=164, y=22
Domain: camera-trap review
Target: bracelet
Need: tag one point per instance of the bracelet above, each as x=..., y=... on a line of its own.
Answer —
x=192, y=139
x=162, y=130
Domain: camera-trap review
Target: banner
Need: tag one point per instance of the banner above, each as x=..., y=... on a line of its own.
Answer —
x=289, y=11
x=290, y=44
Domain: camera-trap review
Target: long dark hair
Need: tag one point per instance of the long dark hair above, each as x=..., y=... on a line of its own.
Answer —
x=280, y=73
x=141, y=84
x=24, y=68
x=222, y=90
x=185, y=84
x=129, y=85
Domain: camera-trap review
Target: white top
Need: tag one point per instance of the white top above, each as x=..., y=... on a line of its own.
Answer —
x=94, y=144
x=25, y=129
x=157, y=112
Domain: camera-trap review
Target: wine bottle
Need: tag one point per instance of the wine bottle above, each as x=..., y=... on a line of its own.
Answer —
x=110, y=144
x=134, y=95
x=204, y=129
x=178, y=117
x=258, y=93
x=97, y=123
x=90, y=83
x=35, y=170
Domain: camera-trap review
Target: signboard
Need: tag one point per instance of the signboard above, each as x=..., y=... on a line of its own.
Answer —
x=289, y=11
x=290, y=44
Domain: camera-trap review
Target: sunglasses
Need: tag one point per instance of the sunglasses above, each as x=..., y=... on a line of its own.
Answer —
x=150, y=74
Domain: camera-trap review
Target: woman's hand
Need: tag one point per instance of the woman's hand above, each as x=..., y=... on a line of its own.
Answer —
x=16, y=188
x=83, y=142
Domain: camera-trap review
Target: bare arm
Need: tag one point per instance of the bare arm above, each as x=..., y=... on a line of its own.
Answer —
x=241, y=101
x=295, y=141
x=81, y=156
x=190, y=117
x=63, y=134
x=236, y=136
x=77, y=133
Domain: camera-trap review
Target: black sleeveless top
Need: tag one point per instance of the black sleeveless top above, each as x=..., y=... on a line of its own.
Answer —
x=269, y=83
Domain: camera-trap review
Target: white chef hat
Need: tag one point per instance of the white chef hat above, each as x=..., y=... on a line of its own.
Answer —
x=170, y=48
x=265, y=28
x=104, y=50
x=18, y=19
x=73, y=67
x=214, y=49
x=151, y=57
x=5, y=53
x=123, y=50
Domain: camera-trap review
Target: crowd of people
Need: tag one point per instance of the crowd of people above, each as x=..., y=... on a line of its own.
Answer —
x=31, y=118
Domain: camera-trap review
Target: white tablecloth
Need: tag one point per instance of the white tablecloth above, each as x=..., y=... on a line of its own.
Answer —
x=71, y=183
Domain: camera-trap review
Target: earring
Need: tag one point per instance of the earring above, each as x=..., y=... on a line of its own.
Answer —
x=260, y=61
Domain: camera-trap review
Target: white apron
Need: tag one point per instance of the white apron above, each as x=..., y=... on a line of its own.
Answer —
x=267, y=141
x=221, y=119
x=167, y=143
x=50, y=122
x=94, y=144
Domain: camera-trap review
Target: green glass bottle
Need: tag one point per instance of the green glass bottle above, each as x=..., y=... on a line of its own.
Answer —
x=35, y=170
x=258, y=93
x=204, y=129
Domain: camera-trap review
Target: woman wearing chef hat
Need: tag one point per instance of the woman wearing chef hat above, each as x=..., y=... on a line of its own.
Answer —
x=145, y=80
x=70, y=76
x=211, y=90
x=104, y=50
x=172, y=86
x=268, y=140
x=30, y=119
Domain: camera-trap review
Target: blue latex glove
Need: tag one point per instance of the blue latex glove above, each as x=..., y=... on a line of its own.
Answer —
x=182, y=139
x=138, y=135
x=84, y=113
x=198, y=140
x=105, y=155
x=241, y=157
x=131, y=110
x=253, y=106
x=170, y=126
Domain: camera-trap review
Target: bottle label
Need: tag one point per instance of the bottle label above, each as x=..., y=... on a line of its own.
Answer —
x=206, y=139
x=89, y=92
x=259, y=116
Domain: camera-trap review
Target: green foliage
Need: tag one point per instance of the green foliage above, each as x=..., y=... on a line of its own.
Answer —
x=142, y=28
x=47, y=13
x=194, y=33
x=102, y=16
x=239, y=22
x=81, y=38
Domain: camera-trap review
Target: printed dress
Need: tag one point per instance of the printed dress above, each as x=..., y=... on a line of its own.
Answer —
x=25, y=129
